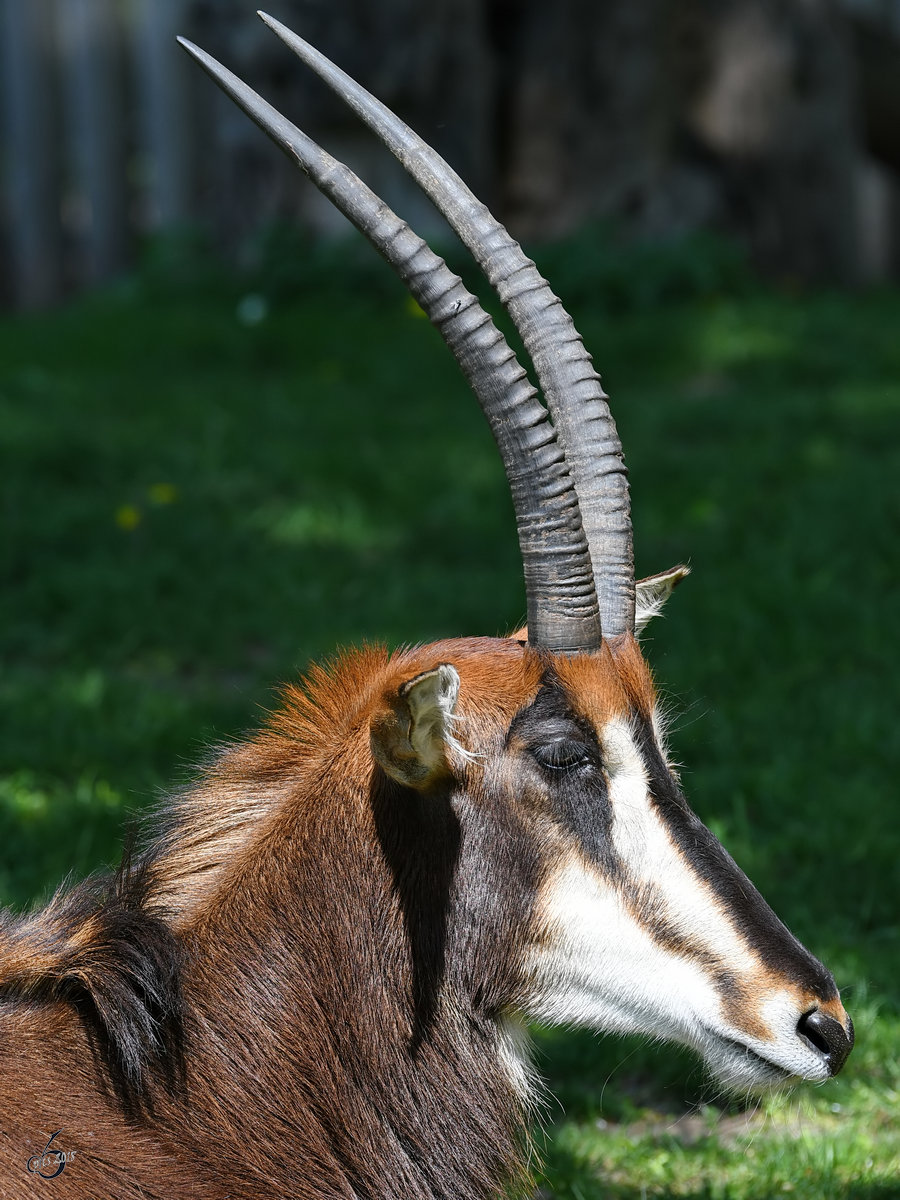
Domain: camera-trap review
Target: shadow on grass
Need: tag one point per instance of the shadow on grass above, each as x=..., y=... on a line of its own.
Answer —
x=590, y=1076
x=628, y=1120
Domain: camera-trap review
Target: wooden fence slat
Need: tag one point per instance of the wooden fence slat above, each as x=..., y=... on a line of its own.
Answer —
x=164, y=106
x=31, y=151
x=94, y=115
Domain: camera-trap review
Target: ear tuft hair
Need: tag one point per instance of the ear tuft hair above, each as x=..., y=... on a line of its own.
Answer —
x=412, y=738
x=652, y=593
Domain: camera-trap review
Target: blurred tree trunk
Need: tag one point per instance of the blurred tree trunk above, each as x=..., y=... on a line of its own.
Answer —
x=675, y=114
x=581, y=104
x=768, y=111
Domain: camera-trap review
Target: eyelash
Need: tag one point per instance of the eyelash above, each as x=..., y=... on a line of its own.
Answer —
x=561, y=755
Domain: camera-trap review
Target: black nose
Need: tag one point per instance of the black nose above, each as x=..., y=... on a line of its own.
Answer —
x=827, y=1037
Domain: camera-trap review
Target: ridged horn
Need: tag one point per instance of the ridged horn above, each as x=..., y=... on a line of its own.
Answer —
x=561, y=599
x=570, y=385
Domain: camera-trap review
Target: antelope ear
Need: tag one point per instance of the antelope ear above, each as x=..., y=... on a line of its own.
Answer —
x=652, y=593
x=412, y=734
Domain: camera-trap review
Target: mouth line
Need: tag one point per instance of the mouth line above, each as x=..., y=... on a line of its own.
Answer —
x=755, y=1057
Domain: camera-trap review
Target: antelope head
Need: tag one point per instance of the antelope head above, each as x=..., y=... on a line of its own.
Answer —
x=618, y=909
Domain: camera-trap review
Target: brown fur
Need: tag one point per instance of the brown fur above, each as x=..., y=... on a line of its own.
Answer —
x=624, y=685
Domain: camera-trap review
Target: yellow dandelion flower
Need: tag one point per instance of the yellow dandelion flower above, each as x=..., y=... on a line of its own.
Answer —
x=128, y=517
x=162, y=493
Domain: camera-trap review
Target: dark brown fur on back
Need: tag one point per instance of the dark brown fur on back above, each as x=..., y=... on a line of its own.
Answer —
x=96, y=947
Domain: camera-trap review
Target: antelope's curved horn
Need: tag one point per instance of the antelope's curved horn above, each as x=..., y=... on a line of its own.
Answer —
x=571, y=386
x=559, y=583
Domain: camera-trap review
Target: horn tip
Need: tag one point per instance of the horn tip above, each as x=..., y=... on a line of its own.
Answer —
x=193, y=50
x=294, y=41
x=209, y=64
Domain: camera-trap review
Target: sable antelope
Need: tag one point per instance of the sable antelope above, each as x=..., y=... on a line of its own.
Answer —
x=314, y=982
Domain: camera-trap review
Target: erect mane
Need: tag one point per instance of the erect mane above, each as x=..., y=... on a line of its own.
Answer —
x=196, y=833
x=320, y=721
x=109, y=945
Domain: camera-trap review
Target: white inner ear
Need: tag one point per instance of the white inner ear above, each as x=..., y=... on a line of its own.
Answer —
x=652, y=593
x=432, y=702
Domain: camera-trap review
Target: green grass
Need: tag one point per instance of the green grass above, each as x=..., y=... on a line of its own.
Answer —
x=193, y=507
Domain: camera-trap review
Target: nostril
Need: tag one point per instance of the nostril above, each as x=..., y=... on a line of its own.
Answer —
x=827, y=1037
x=809, y=1028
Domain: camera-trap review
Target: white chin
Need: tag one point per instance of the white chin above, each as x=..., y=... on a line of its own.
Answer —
x=739, y=1069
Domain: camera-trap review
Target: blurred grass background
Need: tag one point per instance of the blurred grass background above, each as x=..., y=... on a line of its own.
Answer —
x=210, y=478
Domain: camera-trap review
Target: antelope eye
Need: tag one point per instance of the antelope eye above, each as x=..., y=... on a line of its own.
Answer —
x=561, y=755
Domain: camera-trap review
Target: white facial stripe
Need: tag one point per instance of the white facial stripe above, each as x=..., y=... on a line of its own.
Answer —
x=598, y=966
x=650, y=856
x=594, y=965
